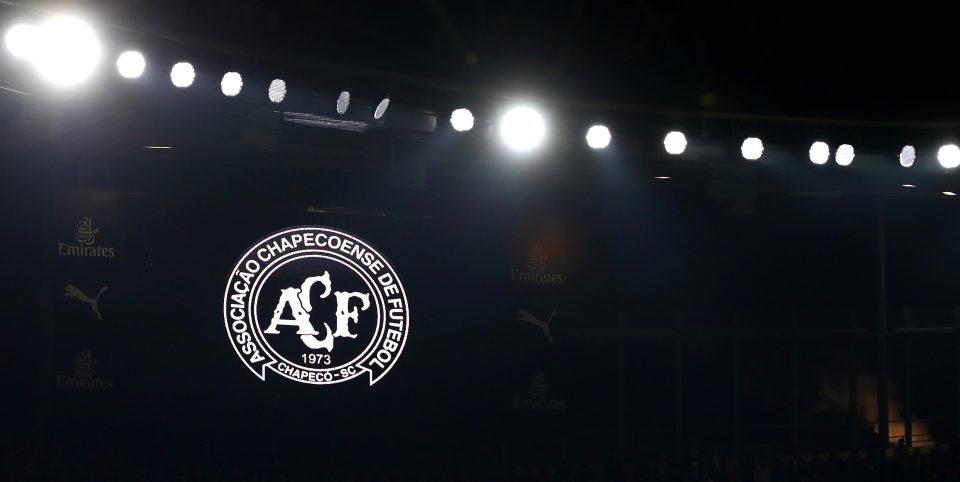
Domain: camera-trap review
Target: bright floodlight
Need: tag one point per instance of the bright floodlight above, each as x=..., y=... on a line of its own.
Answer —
x=522, y=128
x=231, y=84
x=949, y=156
x=277, y=91
x=675, y=143
x=131, y=64
x=461, y=120
x=67, y=51
x=182, y=75
x=343, y=102
x=21, y=40
x=819, y=153
x=907, y=155
x=598, y=137
x=844, y=155
x=752, y=148
x=381, y=108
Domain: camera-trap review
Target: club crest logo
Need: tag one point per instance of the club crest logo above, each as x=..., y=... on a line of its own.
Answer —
x=317, y=306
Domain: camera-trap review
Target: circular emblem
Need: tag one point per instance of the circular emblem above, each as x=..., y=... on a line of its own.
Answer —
x=317, y=306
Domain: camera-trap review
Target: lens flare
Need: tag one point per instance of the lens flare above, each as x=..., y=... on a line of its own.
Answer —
x=522, y=128
x=67, y=51
x=598, y=137
x=131, y=64
x=675, y=143
x=461, y=120
x=182, y=75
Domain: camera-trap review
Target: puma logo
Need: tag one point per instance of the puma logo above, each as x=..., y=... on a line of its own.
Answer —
x=73, y=292
x=524, y=315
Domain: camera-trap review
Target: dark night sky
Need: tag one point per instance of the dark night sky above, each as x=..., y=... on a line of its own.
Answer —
x=850, y=59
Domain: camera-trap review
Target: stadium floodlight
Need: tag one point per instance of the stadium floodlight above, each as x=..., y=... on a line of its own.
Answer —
x=598, y=137
x=844, y=155
x=231, y=84
x=21, y=40
x=182, y=75
x=907, y=156
x=522, y=128
x=949, y=156
x=277, y=91
x=343, y=102
x=675, y=142
x=66, y=51
x=819, y=153
x=461, y=120
x=381, y=108
x=131, y=64
x=752, y=148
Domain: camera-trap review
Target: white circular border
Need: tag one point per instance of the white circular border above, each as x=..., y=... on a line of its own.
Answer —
x=249, y=303
x=274, y=265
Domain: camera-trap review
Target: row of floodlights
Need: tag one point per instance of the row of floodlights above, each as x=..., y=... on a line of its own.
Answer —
x=752, y=149
x=948, y=155
x=66, y=51
x=523, y=129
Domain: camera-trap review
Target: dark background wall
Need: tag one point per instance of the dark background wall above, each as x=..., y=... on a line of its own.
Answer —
x=642, y=267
